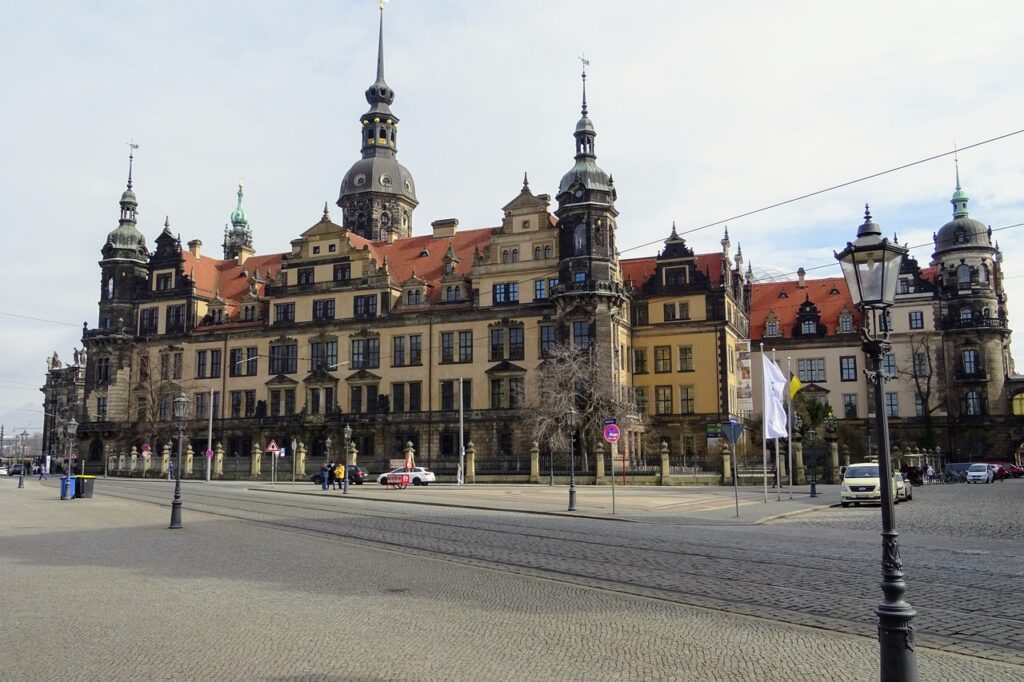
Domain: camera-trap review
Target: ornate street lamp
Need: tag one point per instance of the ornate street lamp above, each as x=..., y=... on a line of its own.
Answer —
x=812, y=438
x=347, y=432
x=871, y=265
x=181, y=405
x=570, y=421
x=327, y=458
x=24, y=441
x=71, y=426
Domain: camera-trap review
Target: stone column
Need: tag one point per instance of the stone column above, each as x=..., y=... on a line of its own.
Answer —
x=726, y=463
x=165, y=459
x=470, y=472
x=800, y=469
x=833, y=458
x=599, y=478
x=665, y=472
x=783, y=476
x=300, y=461
x=256, y=465
x=534, y=463
x=121, y=461
x=218, y=461
x=134, y=457
x=189, y=454
x=353, y=454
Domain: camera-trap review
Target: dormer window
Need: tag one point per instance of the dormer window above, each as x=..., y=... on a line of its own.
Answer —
x=414, y=297
x=846, y=323
x=808, y=327
x=449, y=267
x=904, y=286
x=771, y=328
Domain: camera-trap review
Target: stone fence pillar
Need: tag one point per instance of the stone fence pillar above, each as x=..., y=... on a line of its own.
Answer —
x=218, y=461
x=726, y=464
x=189, y=454
x=534, y=463
x=470, y=473
x=256, y=465
x=599, y=464
x=665, y=471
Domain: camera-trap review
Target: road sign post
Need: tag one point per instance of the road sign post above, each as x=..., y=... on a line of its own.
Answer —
x=733, y=430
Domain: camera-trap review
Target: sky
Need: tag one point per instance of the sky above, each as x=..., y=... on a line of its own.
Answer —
x=703, y=111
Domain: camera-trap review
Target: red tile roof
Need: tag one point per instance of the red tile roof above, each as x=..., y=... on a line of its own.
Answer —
x=640, y=270
x=226, y=277
x=830, y=295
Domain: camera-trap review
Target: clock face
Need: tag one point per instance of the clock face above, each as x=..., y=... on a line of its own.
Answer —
x=579, y=193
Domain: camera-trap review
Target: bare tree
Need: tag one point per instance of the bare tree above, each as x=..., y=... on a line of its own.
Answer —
x=583, y=379
x=922, y=374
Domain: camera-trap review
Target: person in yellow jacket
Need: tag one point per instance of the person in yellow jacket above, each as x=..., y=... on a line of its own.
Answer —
x=339, y=475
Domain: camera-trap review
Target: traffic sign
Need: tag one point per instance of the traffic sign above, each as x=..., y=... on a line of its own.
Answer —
x=272, y=447
x=611, y=433
x=145, y=447
x=610, y=420
x=209, y=453
x=732, y=430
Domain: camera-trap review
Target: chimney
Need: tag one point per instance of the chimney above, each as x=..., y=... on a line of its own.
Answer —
x=800, y=274
x=194, y=246
x=445, y=229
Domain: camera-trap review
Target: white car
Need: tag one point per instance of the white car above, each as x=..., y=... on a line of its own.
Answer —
x=904, y=491
x=979, y=473
x=417, y=475
x=3, y=469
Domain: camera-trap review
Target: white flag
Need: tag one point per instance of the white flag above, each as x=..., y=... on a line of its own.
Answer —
x=774, y=409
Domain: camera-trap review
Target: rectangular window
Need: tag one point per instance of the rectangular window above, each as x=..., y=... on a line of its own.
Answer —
x=275, y=403
x=892, y=405
x=919, y=405
x=235, y=361
x=371, y=398
x=148, y=321
x=398, y=397
x=516, y=393
x=366, y=306
x=356, y=395
x=640, y=361
x=547, y=338
x=323, y=309
x=516, y=343
x=684, y=311
x=811, y=369
x=640, y=396
x=447, y=395
x=686, y=403
x=163, y=410
x=889, y=364
x=538, y=290
x=663, y=400
x=970, y=360
x=284, y=312
x=101, y=409
x=323, y=355
x=506, y=293
x=669, y=312
x=163, y=281
x=165, y=367
x=201, y=364
x=921, y=365
x=415, y=349
x=342, y=272
x=201, y=401
x=175, y=319
x=365, y=353
x=236, y=404
x=284, y=359
x=849, y=405
x=447, y=346
x=250, y=403
x=581, y=335
x=848, y=368
x=313, y=401
x=289, y=401
x=102, y=370
x=415, y=392
x=465, y=346
x=497, y=393
x=398, y=351
x=177, y=362
x=662, y=359
x=497, y=345
x=214, y=364
x=686, y=358
x=916, y=319
x=306, y=276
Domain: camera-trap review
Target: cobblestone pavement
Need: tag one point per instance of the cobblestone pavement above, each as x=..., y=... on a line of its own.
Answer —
x=285, y=595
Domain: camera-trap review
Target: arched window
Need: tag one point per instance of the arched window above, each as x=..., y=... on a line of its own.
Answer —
x=580, y=239
x=382, y=133
x=536, y=253
x=547, y=251
x=972, y=403
x=504, y=256
x=963, y=274
x=515, y=255
x=808, y=327
x=983, y=274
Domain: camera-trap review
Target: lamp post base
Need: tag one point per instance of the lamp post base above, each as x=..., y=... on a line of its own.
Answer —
x=21, y=481
x=814, y=488
x=572, y=497
x=176, y=506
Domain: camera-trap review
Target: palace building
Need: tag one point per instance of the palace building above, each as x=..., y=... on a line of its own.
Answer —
x=365, y=321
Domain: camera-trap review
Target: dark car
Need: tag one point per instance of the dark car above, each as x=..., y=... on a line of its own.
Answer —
x=356, y=475
x=17, y=470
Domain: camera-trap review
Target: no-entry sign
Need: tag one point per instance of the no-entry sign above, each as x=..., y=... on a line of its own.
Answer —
x=611, y=433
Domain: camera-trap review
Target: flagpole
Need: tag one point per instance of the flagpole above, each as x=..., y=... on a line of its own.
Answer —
x=789, y=367
x=764, y=426
x=778, y=478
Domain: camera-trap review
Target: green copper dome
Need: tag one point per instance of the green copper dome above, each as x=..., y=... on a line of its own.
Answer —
x=238, y=216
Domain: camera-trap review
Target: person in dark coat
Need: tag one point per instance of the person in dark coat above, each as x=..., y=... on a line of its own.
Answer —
x=324, y=476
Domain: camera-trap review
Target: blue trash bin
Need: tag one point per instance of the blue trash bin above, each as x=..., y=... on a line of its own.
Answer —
x=67, y=487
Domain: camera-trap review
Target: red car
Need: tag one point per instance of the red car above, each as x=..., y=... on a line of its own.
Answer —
x=1006, y=469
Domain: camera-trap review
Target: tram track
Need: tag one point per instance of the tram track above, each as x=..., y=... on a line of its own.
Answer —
x=778, y=586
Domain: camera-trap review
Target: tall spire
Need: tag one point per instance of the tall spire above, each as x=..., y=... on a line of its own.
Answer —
x=131, y=159
x=586, y=63
x=380, y=95
x=380, y=45
x=960, y=198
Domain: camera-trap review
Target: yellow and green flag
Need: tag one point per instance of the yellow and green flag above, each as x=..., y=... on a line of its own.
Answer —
x=794, y=385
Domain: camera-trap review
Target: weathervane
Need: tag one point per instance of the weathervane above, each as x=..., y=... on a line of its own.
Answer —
x=381, y=4
x=586, y=62
x=131, y=159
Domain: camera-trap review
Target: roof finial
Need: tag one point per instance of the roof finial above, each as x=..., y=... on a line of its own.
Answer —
x=131, y=159
x=327, y=217
x=380, y=44
x=526, y=182
x=956, y=162
x=586, y=62
x=867, y=213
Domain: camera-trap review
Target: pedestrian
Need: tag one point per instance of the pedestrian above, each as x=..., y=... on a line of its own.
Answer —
x=324, y=476
x=339, y=473
x=42, y=473
x=330, y=474
x=930, y=473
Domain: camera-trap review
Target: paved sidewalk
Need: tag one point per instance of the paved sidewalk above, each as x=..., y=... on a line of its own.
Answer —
x=674, y=505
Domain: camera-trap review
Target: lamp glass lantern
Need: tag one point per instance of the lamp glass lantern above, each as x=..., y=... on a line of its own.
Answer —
x=570, y=418
x=871, y=266
x=181, y=404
